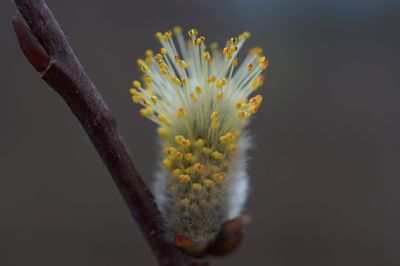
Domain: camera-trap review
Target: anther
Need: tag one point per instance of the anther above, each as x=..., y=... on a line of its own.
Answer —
x=177, y=30
x=167, y=163
x=149, y=53
x=234, y=41
x=154, y=99
x=176, y=172
x=147, y=79
x=214, y=116
x=217, y=155
x=197, y=187
x=163, y=132
x=192, y=32
x=184, y=179
x=146, y=111
x=181, y=112
x=136, y=84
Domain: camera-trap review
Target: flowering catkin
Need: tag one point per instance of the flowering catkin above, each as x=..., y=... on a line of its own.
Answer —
x=200, y=99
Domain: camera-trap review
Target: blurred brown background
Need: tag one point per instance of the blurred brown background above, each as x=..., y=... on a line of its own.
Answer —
x=325, y=168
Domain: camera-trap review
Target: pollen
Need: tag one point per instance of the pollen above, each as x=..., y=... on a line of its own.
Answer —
x=170, y=151
x=179, y=155
x=188, y=156
x=198, y=89
x=218, y=177
x=199, y=41
x=146, y=111
x=162, y=118
x=231, y=148
x=217, y=155
x=147, y=79
x=183, y=64
x=136, y=98
x=220, y=83
x=177, y=30
x=185, y=201
x=136, y=84
x=211, y=79
x=163, y=51
x=198, y=143
x=214, y=116
x=208, y=183
x=194, y=97
x=163, y=132
x=176, y=172
x=206, y=150
x=167, y=163
x=181, y=113
x=154, y=99
x=201, y=168
x=207, y=56
x=215, y=124
x=184, y=179
x=192, y=32
x=197, y=187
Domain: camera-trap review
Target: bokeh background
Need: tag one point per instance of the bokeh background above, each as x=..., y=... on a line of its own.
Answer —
x=325, y=169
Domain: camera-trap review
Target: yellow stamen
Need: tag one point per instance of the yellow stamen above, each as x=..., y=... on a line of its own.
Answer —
x=177, y=30
x=136, y=84
x=182, y=64
x=188, y=156
x=176, y=172
x=133, y=91
x=163, y=132
x=218, y=177
x=167, y=163
x=192, y=32
x=207, y=56
x=198, y=143
x=179, y=155
x=214, y=116
x=215, y=124
x=217, y=155
x=220, y=83
x=146, y=111
x=208, y=183
x=154, y=99
x=201, y=168
x=147, y=79
x=211, y=79
x=181, y=113
x=149, y=53
x=197, y=186
x=245, y=35
x=206, y=150
x=184, y=179
x=219, y=96
x=194, y=97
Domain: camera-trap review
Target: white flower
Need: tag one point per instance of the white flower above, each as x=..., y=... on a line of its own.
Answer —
x=199, y=98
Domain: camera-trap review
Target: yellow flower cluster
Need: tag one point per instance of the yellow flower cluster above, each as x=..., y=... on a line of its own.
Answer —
x=199, y=96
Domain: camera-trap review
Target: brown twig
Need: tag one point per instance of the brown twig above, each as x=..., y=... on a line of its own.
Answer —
x=45, y=46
